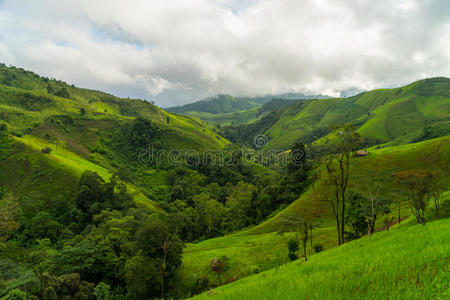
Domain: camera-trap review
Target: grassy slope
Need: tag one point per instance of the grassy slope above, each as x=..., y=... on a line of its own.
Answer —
x=261, y=248
x=386, y=115
x=405, y=263
x=30, y=112
x=20, y=91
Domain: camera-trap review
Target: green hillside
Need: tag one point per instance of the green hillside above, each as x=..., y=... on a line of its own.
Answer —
x=411, y=113
x=261, y=247
x=220, y=104
x=404, y=263
x=117, y=196
x=84, y=129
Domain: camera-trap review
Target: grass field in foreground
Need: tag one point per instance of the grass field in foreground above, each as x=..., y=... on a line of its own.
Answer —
x=410, y=262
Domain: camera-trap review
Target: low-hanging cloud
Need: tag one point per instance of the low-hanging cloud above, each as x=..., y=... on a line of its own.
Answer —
x=179, y=51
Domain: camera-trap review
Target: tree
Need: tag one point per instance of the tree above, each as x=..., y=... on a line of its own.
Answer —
x=220, y=266
x=63, y=93
x=211, y=212
x=15, y=294
x=417, y=186
x=387, y=223
x=239, y=202
x=355, y=213
x=141, y=277
x=158, y=243
x=373, y=204
x=298, y=166
x=67, y=286
x=143, y=133
x=300, y=226
x=337, y=175
x=311, y=227
x=9, y=211
x=33, y=258
x=50, y=89
x=82, y=111
x=436, y=188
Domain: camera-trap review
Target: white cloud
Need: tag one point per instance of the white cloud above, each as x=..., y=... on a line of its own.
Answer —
x=184, y=50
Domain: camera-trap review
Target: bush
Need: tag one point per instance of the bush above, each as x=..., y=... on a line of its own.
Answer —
x=15, y=294
x=102, y=291
x=46, y=150
x=318, y=248
x=292, y=256
x=293, y=249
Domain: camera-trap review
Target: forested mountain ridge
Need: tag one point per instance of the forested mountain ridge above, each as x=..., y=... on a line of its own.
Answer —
x=219, y=104
x=226, y=109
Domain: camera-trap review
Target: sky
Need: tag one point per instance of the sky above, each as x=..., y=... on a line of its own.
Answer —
x=178, y=51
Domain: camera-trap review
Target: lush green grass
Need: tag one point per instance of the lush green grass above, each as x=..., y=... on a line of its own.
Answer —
x=50, y=174
x=407, y=263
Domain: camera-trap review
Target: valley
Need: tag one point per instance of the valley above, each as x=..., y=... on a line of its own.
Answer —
x=119, y=197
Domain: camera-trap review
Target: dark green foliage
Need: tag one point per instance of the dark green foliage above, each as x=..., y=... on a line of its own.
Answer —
x=246, y=133
x=355, y=216
x=298, y=167
x=318, y=248
x=15, y=294
x=143, y=133
x=160, y=255
x=293, y=248
x=68, y=286
x=33, y=101
x=5, y=142
x=94, y=195
x=63, y=92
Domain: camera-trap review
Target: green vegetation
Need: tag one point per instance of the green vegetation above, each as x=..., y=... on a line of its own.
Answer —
x=220, y=104
x=112, y=198
x=397, y=116
x=261, y=247
x=411, y=262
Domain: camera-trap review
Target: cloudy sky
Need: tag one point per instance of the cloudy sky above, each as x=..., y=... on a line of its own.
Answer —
x=178, y=51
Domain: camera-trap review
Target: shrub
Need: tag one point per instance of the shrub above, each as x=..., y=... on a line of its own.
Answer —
x=318, y=248
x=15, y=294
x=102, y=291
x=46, y=150
x=293, y=249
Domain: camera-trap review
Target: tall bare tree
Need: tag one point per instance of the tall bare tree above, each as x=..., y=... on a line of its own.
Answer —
x=337, y=174
x=417, y=187
x=373, y=204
